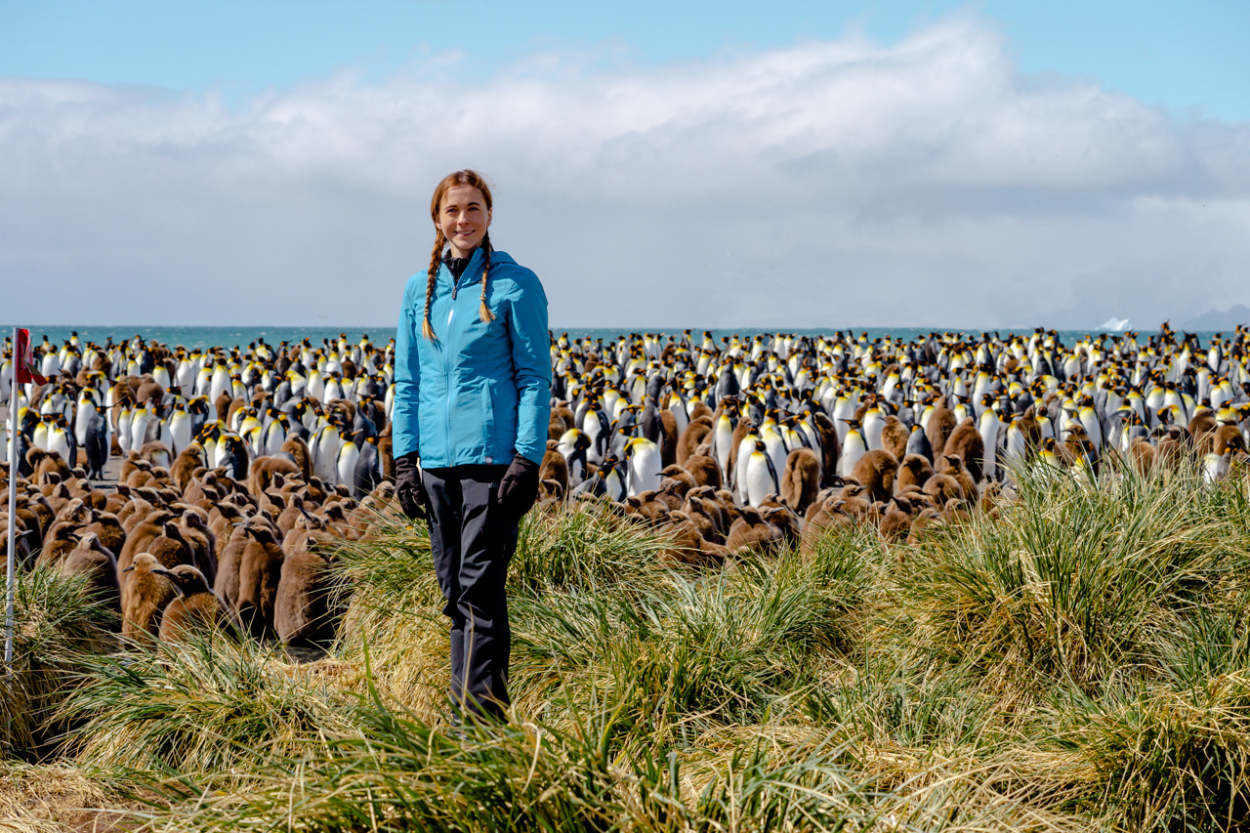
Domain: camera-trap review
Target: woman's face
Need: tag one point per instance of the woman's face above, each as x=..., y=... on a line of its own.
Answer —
x=464, y=218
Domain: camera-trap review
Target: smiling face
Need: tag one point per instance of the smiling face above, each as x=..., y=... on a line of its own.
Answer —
x=463, y=216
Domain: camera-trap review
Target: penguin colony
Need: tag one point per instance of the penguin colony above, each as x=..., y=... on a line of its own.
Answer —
x=237, y=465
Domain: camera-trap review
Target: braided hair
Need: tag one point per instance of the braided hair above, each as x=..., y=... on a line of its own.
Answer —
x=474, y=179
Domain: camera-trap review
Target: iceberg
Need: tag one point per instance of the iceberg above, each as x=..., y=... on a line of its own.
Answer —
x=1114, y=325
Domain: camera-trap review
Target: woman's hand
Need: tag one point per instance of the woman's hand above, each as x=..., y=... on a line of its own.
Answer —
x=409, y=488
x=519, y=488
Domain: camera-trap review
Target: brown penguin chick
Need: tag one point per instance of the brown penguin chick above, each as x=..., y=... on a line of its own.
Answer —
x=829, y=447
x=302, y=606
x=199, y=540
x=298, y=449
x=1143, y=457
x=684, y=481
x=222, y=519
x=140, y=474
x=823, y=495
x=202, y=486
x=90, y=558
x=58, y=497
x=875, y=471
x=554, y=466
x=196, y=608
x=704, y=471
x=750, y=532
x=644, y=506
x=39, y=508
x=263, y=470
x=830, y=514
x=671, y=494
x=855, y=500
x=49, y=464
x=1031, y=430
x=145, y=593
x=957, y=468
x=185, y=464
x=941, y=424
x=943, y=487
x=556, y=426
x=109, y=530
x=158, y=456
x=73, y=513
x=229, y=562
x=260, y=570
x=170, y=548
x=221, y=405
x=895, y=524
x=925, y=519
x=697, y=513
x=1227, y=438
x=954, y=513
x=61, y=542
x=134, y=513
x=913, y=471
x=1200, y=427
x=801, y=481
x=687, y=546
x=668, y=437
x=291, y=514
x=1172, y=447
x=966, y=441
x=894, y=436
x=695, y=433
x=785, y=519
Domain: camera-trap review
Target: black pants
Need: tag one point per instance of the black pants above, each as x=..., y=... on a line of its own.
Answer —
x=472, y=547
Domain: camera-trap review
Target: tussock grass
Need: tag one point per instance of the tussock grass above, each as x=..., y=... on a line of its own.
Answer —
x=207, y=705
x=1080, y=662
x=57, y=624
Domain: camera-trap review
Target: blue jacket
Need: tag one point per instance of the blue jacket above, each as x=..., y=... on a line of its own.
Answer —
x=480, y=393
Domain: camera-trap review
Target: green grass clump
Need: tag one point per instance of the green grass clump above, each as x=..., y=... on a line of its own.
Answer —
x=1072, y=583
x=209, y=704
x=58, y=623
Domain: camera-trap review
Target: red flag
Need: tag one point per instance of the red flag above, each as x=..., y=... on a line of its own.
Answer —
x=24, y=360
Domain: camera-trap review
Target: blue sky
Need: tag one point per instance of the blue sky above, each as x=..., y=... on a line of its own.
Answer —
x=1190, y=56
x=916, y=163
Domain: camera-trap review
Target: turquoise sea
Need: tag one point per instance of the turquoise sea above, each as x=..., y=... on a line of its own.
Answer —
x=193, y=337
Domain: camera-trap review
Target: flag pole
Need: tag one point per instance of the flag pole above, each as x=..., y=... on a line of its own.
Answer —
x=9, y=573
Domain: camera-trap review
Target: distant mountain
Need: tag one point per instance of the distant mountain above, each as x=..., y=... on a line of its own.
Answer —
x=1217, y=320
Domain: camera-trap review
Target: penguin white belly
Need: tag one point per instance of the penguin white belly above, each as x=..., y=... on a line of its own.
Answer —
x=852, y=450
x=180, y=431
x=346, y=466
x=644, y=469
x=325, y=455
x=760, y=482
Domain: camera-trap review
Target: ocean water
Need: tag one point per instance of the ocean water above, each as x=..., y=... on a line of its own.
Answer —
x=201, y=337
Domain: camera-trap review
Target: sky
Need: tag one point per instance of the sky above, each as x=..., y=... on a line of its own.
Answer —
x=659, y=165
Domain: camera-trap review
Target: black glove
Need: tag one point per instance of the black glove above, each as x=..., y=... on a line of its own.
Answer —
x=519, y=489
x=409, y=488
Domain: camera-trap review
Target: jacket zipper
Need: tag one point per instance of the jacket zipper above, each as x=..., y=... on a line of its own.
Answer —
x=447, y=362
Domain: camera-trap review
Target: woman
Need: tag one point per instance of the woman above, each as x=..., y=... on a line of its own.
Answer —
x=472, y=404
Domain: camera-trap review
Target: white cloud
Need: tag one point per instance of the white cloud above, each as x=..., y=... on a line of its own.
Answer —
x=831, y=183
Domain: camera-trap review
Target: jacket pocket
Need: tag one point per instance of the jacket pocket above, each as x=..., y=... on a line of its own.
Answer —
x=488, y=418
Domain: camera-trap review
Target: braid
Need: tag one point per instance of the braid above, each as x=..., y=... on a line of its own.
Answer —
x=486, y=315
x=427, y=329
